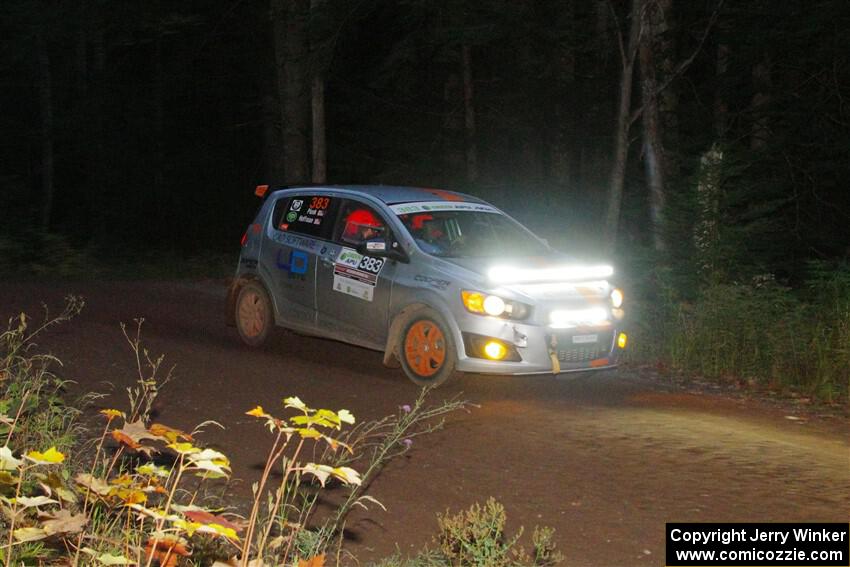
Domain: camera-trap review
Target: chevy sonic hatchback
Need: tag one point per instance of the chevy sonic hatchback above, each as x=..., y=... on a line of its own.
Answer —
x=440, y=282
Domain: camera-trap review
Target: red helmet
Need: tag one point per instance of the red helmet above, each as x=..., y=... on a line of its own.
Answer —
x=358, y=219
x=363, y=217
x=418, y=221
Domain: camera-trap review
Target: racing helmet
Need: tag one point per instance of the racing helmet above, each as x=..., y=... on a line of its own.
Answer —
x=358, y=220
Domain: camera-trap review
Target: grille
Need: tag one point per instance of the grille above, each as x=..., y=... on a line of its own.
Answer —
x=581, y=354
x=567, y=351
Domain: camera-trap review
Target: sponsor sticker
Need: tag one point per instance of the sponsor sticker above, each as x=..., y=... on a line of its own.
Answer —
x=296, y=204
x=356, y=274
x=354, y=288
x=432, y=206
x=291, y=216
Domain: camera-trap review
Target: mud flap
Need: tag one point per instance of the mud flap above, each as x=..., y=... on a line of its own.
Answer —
x=553, y=355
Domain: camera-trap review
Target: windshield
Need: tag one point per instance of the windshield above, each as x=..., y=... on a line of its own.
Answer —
x=470, y=234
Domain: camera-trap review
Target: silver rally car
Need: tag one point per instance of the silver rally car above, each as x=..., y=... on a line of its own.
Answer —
x=440, y=282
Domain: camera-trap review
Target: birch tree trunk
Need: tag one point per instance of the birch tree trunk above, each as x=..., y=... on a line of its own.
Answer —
x=621, y=135
x=45, y=91
x=655, y=159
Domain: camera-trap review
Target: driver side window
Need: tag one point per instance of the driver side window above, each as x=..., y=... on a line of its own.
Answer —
x=358, y=223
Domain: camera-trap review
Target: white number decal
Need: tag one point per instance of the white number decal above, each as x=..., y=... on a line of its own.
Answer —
x=372, y=265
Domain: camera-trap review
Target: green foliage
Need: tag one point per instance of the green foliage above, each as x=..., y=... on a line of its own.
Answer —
x=759, y=332
x=476, y=538
x=34, y=253
x=32, y=404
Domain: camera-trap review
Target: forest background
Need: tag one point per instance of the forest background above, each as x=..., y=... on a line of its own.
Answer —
x=704, y=146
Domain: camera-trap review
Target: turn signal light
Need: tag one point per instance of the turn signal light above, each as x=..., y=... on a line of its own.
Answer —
x=622, y=340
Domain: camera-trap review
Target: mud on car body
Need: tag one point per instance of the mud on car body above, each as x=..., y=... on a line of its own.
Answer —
x=440, y=282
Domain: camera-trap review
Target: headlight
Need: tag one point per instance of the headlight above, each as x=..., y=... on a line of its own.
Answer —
x=484, y=304
x=616, y=298
x=494, y=305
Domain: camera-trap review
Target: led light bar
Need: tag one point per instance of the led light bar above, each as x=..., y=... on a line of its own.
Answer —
x=510, y=274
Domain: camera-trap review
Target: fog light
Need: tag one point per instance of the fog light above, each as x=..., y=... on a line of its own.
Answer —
x=495, y=350
x=622, y=339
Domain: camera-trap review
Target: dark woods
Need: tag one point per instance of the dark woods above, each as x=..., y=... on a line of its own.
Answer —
x=714, y=134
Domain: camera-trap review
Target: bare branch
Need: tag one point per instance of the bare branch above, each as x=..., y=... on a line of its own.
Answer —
x=619, y=33
x=683, y=66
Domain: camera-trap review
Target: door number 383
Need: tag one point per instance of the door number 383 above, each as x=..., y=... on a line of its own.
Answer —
x=372, y=265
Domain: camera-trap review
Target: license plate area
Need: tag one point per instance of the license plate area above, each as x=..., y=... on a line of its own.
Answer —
x=585, y=339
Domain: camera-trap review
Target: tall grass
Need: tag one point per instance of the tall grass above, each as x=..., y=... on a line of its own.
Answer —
x=759, y=332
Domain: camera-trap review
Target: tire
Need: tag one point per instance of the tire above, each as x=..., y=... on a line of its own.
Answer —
x=426, y=349
x=253, y=314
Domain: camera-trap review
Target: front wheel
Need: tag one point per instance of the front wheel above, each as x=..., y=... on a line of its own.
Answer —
x=427, y=351
x=254, y=318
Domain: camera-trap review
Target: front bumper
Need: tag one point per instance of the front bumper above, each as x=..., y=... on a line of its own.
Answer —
x=542, y=350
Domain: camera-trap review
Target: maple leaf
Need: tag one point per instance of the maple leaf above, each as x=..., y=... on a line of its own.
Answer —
x=316, y=561
x=132, y=435
x=8, y=462
x=49, y=457
x=204, y=517
x=30, y=534
x=29, y=502
x=295, y=403
x=125, y=439
x=92, y=483
x=63, y=522
x=169, y=433
x=112, y=414
x=258, y=412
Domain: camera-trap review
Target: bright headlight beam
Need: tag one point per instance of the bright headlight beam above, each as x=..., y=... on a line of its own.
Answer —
x=617, y=298
x=567, y=318
x=509, y=274
x=494, y=305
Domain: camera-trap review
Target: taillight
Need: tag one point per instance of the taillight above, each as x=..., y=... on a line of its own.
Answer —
x=245, y=239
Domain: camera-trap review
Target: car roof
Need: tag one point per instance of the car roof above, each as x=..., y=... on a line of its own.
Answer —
x=393, y=194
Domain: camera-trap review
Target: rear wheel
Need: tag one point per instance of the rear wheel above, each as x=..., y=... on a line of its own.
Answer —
x=254, y=318
x=426, y=349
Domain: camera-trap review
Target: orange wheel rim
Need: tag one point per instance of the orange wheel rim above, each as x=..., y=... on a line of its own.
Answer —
x=252, y=315
x=425, y=348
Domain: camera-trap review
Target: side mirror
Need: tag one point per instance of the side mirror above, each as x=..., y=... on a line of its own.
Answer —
x=377, y=248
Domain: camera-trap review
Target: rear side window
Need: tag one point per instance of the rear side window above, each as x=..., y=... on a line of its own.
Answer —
x=310, y=215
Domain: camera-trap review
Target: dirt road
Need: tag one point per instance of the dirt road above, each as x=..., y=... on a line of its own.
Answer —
x=605, y=459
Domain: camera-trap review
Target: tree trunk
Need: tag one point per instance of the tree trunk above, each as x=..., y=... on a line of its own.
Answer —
x=665, y=55
x=562, y=152
x=621, y=134
x=45, y=91
x=721, y=104
x=654, y=155
x=469, y=116
x=291, y=37
x=761, y=99
x=320, y=150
